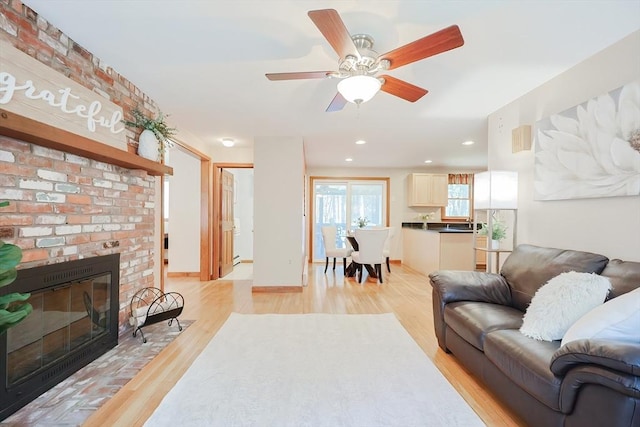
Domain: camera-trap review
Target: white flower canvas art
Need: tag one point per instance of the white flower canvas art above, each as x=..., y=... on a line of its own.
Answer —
x=591, y=150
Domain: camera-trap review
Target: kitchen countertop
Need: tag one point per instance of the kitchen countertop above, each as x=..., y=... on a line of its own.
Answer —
x=439, y=227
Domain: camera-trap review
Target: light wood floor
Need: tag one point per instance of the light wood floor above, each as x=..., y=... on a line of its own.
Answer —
x=405, y=293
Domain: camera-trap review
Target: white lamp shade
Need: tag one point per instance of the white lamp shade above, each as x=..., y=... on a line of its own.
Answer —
x=358, y=89
x=495, y=190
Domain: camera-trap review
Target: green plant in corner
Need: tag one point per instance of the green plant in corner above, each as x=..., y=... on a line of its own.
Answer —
x=13, y=309
x=158, y=126
x=499, y=231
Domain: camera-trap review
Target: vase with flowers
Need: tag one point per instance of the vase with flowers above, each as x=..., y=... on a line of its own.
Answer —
x=155, y=136
x=362, y=222
x=425, y=218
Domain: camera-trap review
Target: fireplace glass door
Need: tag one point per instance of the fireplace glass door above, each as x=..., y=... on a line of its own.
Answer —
x=64, y=319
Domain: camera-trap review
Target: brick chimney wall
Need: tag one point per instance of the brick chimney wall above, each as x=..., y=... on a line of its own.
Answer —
x=64, y=206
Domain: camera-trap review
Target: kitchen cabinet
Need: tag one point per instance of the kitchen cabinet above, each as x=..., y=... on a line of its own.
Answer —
x=426, y=251
x=424, y=189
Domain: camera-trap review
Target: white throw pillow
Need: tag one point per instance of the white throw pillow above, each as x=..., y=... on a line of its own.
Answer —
x=561, y=302
x=617, y=319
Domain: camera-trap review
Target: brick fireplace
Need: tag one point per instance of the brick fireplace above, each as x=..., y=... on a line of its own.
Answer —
x=76, y=198
x=66, y=207
x=73, y=322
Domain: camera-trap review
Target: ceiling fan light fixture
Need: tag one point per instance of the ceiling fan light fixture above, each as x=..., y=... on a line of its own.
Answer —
x=359, y=89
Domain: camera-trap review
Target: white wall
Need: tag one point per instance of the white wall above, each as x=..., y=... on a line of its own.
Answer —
x=184, y=213
x=243, y=210
x=221, y=154
x=609, y=226
x=278, y=211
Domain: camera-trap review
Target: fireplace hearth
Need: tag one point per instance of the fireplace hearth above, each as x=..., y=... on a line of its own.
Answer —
x=74, y=321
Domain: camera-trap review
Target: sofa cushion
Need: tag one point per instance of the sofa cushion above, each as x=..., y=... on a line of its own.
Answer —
x=473, y=320
x=529, y=267
x=561, y=302
x=623, y=275
x=526, y=362
x=617, y=319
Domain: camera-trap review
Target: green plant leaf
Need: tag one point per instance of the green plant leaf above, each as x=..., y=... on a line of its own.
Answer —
x=8, y=276
x=10, y=256
x=13, y=316
x=8, y=299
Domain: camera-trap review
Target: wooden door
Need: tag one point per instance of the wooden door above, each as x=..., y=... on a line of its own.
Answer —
x=226, y=222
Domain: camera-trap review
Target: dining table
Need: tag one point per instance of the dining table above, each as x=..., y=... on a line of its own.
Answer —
x=351, y=268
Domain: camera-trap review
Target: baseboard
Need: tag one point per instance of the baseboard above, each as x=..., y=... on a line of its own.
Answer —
x=275, y=289
x=183, y=274
x=395, y=261
x=247, y=261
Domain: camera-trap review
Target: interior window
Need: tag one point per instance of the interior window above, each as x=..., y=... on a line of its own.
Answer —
x=459, y=197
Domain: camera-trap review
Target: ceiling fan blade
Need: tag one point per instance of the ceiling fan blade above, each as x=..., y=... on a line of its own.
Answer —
x=333, y=29
x=433, y=44
x=402, y=89
x=337, y=103
x=299, y=75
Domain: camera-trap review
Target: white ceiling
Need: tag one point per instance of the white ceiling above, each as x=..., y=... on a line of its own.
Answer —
x=204, y=62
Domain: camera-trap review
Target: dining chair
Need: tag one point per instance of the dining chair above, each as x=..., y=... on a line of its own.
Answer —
x=370, y=250
x=387, y=246
x=330, y=248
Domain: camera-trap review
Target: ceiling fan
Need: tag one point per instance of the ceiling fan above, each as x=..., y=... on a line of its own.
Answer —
x=359, y=64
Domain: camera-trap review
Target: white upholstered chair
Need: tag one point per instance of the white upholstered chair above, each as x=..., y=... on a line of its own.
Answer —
x=330, y=249
x=387, y=246
x=370, y=250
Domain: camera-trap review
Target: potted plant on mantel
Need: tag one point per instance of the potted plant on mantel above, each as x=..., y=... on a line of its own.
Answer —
x=155, y=136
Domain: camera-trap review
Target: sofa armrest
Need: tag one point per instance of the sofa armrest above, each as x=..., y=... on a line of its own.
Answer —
x=451, y=286
x=470, y=286
x=624, y=386
x=619, y=356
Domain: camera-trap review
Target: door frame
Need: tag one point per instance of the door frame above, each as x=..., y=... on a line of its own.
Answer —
x=206, y=204
x=216, y=231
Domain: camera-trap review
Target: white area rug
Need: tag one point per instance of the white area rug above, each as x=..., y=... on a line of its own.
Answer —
x=313, y=370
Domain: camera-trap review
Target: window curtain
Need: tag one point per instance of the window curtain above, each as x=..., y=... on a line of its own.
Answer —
x=461, y=178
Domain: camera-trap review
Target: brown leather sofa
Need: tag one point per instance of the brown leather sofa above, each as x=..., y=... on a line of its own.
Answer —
x=583, y=383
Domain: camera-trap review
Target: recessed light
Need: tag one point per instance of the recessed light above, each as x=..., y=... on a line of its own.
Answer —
x=361, y=142
x=228, y=142
x=468, y=142
x=428, y=161
x=348, y=159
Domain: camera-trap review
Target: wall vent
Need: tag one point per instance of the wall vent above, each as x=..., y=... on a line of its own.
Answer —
x=521, y=139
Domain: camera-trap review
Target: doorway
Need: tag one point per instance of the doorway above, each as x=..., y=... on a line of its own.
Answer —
x=232, y=220
x=343, y=202
x=186, y=214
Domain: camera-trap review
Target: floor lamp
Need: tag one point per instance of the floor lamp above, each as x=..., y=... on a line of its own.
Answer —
x=495, y=191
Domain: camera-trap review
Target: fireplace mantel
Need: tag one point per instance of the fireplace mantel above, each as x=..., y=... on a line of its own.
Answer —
x=20, y=127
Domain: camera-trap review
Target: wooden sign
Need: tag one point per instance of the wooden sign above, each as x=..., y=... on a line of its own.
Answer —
x=32, y=89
